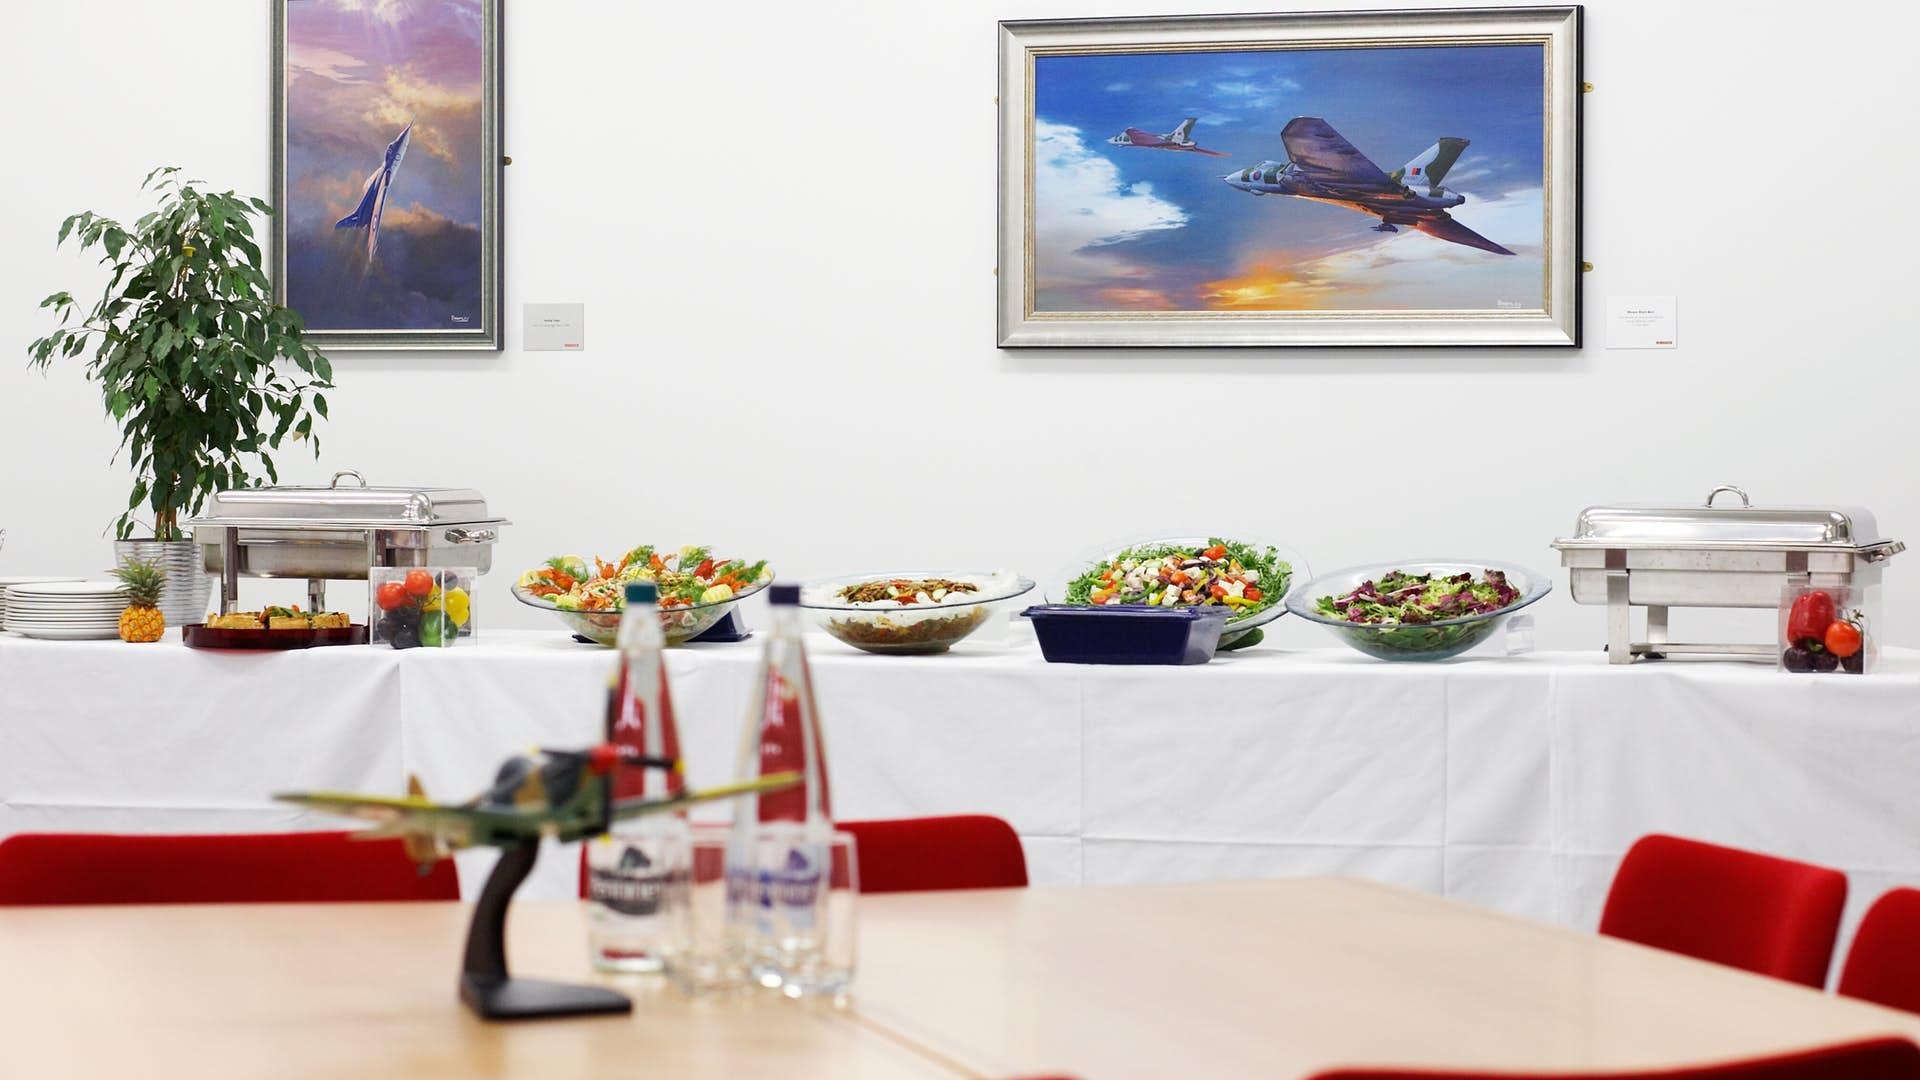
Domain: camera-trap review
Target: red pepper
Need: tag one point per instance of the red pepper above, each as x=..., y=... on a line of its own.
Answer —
x=1809, y=617
x=705, y=569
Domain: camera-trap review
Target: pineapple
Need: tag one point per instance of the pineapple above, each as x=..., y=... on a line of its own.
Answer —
x=142, y=620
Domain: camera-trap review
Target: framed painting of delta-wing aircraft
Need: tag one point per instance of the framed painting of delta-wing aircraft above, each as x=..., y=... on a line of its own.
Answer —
x=386, y=171
x=1353, y=178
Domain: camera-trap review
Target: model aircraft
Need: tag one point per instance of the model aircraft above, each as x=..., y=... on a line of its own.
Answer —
x=373, y=204
x=1324, y=167
x=1177, y=139
x=559, y=794
x=562, y=794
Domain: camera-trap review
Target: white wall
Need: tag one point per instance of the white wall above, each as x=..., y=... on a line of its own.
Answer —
x=735, y=191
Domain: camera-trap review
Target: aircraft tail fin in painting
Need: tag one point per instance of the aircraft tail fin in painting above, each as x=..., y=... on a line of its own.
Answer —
x=1183, y=133
x=1433, y=163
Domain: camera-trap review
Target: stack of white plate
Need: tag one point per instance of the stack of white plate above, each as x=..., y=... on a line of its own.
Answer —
x=65, y=610
x=7, y=581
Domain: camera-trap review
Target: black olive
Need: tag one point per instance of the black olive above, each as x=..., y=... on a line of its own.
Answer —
x=1797, y=658
x=1825, y=661
x=1857, y=663
x=406, y=637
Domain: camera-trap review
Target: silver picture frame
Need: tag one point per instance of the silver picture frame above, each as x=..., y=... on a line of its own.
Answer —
x=1555, y=323
x=489, y=336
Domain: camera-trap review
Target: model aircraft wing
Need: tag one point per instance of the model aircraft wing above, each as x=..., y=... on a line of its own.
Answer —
x=380, y=809
x=1209, y=153
x=1445, y=228
x=1326, y=154
x=626, y=808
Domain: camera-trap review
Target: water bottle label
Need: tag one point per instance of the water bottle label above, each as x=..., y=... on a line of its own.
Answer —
x=631, y=886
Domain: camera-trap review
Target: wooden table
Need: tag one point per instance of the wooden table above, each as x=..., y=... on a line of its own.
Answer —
x=1274, y=978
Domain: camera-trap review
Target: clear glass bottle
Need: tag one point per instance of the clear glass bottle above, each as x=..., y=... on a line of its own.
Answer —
x=781, y=846
x=631, y=867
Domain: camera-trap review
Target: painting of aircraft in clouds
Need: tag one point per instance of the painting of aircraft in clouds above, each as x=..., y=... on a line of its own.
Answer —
x=373, y=204
x=1323, y=166
x=1180, y=138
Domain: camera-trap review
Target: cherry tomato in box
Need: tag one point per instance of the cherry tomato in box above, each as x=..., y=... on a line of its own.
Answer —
x=1842, y=639
x=420, y=583
x=1809, y=617
x=390, y=595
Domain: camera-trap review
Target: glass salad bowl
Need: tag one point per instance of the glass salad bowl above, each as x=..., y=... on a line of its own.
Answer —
x=680, y=624
x=1080, y=583
x=1437, y=639
x=932, y=621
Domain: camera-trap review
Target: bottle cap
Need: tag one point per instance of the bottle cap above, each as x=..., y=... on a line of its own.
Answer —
x=783, y=593
x=642, y=592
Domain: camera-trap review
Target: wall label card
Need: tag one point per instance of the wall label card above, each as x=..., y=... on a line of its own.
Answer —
x=1643, y=322
x=554, y=328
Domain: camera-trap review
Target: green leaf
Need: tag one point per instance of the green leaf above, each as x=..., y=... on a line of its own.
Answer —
x=320, y=404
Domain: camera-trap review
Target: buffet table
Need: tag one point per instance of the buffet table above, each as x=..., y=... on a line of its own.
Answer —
x=1511, y=782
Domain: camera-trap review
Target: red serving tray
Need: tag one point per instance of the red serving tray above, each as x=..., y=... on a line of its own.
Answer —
x=210, y=637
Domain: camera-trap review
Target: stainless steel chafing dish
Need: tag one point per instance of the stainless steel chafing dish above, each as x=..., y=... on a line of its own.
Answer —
x=1713, y=555
x=338, y=532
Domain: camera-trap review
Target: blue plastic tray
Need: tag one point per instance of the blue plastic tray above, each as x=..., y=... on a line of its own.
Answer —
x=1126, y=633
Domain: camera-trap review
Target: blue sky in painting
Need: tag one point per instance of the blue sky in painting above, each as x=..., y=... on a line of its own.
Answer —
x=1122, y=227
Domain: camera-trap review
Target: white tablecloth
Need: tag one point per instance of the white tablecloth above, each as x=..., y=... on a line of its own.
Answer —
x=1512, y=782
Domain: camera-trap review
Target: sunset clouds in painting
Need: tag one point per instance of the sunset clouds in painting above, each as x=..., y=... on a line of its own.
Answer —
x=1132, y=228
x=358, y=73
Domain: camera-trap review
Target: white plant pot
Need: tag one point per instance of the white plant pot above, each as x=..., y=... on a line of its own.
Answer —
x=184, y=600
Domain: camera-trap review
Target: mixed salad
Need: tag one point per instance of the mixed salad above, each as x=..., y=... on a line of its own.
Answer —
x=1402, y=599
x=1219, y=573
x=686, y=578
x=907, y=592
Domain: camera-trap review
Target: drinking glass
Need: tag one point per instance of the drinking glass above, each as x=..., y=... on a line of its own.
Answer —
x=634, y=881
x=700, y=954
x=791, y=902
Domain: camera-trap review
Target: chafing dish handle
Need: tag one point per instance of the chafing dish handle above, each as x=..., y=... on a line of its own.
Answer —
x=1727, y=489
x=335, y=482
x=471, y=536
x=1883, y=551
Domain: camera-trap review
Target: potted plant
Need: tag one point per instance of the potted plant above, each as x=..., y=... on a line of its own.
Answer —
x=203, y=372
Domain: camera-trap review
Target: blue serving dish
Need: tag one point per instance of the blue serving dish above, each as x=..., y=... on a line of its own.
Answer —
x=1126, y=633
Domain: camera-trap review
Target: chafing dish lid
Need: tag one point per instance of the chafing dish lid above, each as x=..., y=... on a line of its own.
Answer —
x=1721, y=522
x=346, y=504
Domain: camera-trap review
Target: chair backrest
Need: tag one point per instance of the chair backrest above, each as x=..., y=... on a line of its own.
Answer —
x=1766, y=915
x=1872, y=1059
x=965, y=851
x=1883, y=965
x=82, y=868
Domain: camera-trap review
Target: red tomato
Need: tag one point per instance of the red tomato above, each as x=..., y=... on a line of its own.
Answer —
x=419, y=584
x=390, y=595
x=1842, y=639
x=1251, y=593
x=1217, y=551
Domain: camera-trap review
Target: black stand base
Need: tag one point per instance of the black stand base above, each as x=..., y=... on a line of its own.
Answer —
x=484, y=983
x=533, y=999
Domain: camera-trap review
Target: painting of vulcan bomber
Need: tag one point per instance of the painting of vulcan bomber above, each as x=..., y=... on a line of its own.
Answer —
x=1180, y=138
x=386, y=171
x=1461, y=226
x=1326, y=168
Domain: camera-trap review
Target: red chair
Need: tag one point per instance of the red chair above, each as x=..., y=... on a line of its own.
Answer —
x=1872, y=1059
x=965, y=851
x=1883, y=966
x=79, y=868
x=1766, y=915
